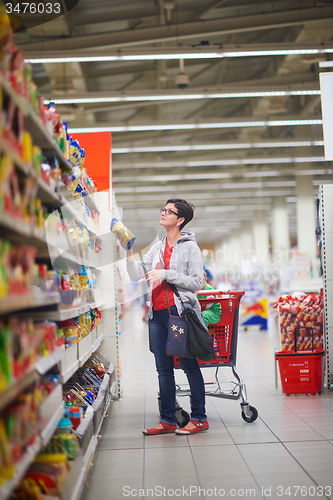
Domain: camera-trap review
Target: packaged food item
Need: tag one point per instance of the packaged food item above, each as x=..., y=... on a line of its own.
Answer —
x=300, y=321
x=125, y=237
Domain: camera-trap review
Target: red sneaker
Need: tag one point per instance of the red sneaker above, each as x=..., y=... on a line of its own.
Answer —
x=199, y=427
x=163, y=429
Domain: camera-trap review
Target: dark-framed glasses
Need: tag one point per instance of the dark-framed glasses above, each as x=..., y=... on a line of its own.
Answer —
x=167, y=211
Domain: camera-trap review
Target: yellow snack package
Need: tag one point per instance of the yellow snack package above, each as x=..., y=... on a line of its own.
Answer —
x=125, y=237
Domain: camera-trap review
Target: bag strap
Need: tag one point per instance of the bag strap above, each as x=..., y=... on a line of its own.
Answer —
x=167, y=296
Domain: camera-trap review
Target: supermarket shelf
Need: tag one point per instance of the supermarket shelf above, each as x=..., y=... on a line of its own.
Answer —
x=42, y=138
x=19, y=162
x=20, y=102
x=88, y=224
x=63, y=314
x=52, y=412
x=59, y=254
x=55, y=398
x=43, y=365
x=75, y=482
x=37, y=129
x=69, y=363
x=97, y=343
x=64, y=192
x=84, y=348
x=10, y=393
x=48, y=194
x=21, y=228
x=21, y=469
x=28, y=301
x=90, y=201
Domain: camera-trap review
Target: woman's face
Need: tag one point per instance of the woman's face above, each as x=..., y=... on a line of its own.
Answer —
x=169, y=217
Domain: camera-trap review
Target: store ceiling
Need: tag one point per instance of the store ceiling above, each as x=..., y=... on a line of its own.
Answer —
x=200, y=147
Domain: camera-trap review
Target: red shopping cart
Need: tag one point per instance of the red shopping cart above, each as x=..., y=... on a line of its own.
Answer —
x=225, y=336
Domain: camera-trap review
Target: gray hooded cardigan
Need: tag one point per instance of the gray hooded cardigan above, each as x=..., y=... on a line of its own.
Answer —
x=186, y=270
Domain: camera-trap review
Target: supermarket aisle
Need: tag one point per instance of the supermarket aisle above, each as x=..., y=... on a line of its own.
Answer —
x=286, y=453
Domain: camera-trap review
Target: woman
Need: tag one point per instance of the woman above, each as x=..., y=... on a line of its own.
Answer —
x=175, y=259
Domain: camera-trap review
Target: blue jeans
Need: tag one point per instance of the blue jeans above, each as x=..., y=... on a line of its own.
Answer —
x=158, y=331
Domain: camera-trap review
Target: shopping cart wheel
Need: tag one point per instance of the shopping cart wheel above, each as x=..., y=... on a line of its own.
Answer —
x=253, y=417
x=182, y=417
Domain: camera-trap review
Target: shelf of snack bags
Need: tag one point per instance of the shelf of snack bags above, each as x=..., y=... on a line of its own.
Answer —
x=89, y=390
x=48, y=470
x=33, y=137
x=41, y=171
x=79, y=334
x=38, y=347
x=64, y=462
x=25, y=426
x=24, y=101
x=300, y=321
x=19, y=274
x=36, y=415
x=76, y=287
x=69, y=239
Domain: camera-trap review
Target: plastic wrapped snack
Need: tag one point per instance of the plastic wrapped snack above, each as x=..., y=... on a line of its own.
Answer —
x=126, y=238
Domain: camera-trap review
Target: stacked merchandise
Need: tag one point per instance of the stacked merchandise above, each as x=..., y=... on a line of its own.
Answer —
x=76, y=329
x=49, y=471
x=22, y=343
x=45, y=197
x=19, y=425
x=301, y=330
x=301, y=321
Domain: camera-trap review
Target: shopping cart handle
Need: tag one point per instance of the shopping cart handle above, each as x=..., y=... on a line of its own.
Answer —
x=235, y=293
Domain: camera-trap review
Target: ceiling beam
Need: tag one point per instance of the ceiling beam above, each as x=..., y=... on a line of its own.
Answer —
x=98, y=12
x=181, y=31
x=209, y=6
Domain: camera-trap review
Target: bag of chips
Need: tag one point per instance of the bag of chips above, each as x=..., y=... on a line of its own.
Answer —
x=125, y=237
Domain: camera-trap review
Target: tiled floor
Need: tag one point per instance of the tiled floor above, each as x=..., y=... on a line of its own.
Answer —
x=286, y=453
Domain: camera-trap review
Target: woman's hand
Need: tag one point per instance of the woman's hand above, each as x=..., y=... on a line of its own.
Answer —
x=156, y=274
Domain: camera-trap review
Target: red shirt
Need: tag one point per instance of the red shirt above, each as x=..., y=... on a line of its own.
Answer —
x=161, y=286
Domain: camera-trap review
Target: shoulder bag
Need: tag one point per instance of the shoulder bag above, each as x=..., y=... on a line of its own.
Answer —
x=200, y=342
x=177, y=340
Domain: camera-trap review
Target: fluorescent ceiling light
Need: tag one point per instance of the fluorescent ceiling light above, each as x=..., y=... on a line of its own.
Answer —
x=325, y=64
x=226, y=162
x=212, y=147
x=169, y=53
x=190, y=188
x=194, y=126
x=314, y=172
x=165, y=178
x=261, y=174
x=235, y=185
x=321, y=181
x=180, y=97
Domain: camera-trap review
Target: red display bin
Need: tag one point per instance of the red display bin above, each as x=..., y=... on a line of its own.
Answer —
x=301, y=372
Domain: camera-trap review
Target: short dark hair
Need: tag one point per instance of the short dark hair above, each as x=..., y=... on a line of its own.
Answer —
x=185, y=209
